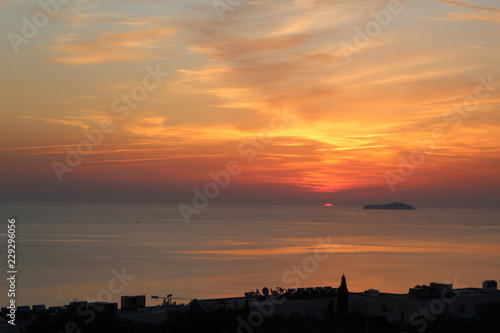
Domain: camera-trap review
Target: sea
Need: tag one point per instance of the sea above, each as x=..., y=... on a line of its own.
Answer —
x=100, y=252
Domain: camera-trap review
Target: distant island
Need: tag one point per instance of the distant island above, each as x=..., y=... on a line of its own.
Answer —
x=394, y=205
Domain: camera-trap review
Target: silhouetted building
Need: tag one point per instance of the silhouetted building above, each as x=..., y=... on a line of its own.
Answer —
x=39, y=308
x=435, y=299
x=490, y=286
x=133, y=303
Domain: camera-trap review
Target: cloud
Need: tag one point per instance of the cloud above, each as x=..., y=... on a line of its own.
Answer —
x=466, y=5
x=129, y=46
x=352, y=120
x=82, y=123
x=484, y=17
x=32, y=147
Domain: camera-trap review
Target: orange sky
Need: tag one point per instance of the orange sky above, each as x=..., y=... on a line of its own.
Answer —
x=341, y=92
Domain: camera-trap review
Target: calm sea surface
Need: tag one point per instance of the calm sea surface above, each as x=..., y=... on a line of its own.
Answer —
x=68, y=251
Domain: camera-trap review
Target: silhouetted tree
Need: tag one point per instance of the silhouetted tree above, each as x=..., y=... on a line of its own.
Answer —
x=343, y=296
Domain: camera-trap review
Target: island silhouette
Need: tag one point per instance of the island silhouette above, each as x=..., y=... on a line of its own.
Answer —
x=393, y=205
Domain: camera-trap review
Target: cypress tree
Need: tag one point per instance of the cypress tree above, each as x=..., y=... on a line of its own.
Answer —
x=343, y=296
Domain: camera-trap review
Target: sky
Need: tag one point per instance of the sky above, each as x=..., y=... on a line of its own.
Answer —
x=259, y=102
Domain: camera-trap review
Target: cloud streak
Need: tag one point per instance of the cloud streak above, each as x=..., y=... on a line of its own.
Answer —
x=352, y=120
x=130, y=46
x=466, y=5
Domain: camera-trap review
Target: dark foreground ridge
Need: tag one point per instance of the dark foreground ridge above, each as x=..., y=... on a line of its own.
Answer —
x=394, y=205
x=433, y=308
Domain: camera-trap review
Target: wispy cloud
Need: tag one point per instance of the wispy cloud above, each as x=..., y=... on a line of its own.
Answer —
x=82, y=123
x=466, y=5
x=129, y=46
x=485, y=17
x=352, y=120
